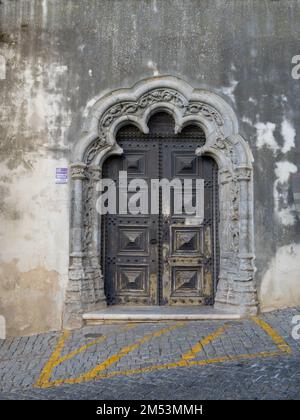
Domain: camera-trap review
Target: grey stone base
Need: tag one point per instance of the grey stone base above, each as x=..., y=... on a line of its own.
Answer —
x=85, y=293
x=242, y=310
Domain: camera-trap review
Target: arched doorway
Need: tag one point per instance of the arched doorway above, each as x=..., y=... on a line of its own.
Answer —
x=163, y=257
x=236, y=288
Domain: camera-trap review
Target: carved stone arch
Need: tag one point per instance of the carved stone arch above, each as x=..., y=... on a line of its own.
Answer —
x=236, y=289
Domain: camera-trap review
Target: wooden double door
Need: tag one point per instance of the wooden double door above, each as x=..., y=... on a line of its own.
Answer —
x=162, y=257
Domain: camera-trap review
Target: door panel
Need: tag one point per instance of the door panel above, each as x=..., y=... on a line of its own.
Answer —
x=187, y=269
x=164, y=258
x=131, y=251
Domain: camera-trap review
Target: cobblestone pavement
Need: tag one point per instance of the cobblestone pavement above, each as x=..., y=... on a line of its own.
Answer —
x=253, y=358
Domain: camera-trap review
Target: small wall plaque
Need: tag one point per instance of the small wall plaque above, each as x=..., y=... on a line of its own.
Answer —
x=61, y=176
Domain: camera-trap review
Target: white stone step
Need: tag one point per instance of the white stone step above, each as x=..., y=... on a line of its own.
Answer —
x=118, y=313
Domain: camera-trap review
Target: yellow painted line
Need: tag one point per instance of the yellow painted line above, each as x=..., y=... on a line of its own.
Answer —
x=93, y=373
x=202, y=343
x=78, y=351
x=47, y=370
x=236, y=357
x=100, y=371
x=86, y=346
x=55, y=359
x=183, y=363
x=273, y=334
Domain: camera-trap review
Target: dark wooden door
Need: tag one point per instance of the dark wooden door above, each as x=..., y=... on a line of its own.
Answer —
x=163, y=258
x=188, y=267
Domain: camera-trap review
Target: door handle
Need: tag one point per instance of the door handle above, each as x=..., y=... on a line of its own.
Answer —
x=153, y=241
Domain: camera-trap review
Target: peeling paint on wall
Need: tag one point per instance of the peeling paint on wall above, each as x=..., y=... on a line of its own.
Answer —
x=284, y=209
x=265, y=136
x=30, y=301
x=229, y=90
x=34, y=214
x=280, y=285
x=288, y=133
x=153, y=67
x=36, y=112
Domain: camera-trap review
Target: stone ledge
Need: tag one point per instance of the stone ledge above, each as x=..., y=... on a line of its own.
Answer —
x=157, y=313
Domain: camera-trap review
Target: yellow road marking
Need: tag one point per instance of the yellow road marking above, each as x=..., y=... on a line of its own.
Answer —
x=55, y=359
x=86, y=346
x=187, y=359
x=91, y=374
x=183, y=363
x=199, y=346
x=278, y=340
x=78, y=351
x=47, y=370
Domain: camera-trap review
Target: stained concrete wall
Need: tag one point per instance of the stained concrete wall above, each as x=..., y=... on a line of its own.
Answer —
x=58, y=56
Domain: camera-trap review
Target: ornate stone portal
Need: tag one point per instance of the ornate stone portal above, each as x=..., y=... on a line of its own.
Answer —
x=236, y=290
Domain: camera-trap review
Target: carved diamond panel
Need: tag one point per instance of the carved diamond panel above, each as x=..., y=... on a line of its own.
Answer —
x=131, y=240
x=131, y=279
x=186, y=241
x=185, y=165
x=135, y=164
x=186, y=281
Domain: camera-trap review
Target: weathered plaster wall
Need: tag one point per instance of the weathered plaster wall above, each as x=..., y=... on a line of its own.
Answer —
x=60, y=55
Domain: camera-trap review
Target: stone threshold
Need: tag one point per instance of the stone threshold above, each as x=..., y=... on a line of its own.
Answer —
x=120, y=313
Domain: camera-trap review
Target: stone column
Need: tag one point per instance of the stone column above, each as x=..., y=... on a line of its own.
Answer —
x=73, y=302
x=95, y=245
x=78, y=175
x=236, y=290
x=223, y=288
x=244, y=286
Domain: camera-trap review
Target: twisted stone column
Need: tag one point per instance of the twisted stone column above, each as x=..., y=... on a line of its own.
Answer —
x=95, y=243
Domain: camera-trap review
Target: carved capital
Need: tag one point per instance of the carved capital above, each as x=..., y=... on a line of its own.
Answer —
x=78, y=170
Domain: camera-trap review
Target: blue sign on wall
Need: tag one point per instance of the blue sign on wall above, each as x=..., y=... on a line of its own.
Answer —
x=61, y=176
